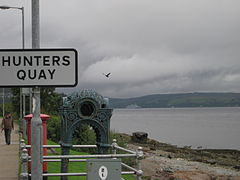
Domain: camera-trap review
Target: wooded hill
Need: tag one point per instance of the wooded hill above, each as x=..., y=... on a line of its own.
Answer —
x=178, y=100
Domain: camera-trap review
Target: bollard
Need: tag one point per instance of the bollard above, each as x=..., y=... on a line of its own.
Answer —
x=24, y=163
x=138, y=161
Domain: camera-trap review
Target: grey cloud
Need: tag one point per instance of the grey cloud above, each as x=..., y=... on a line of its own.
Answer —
x=149, y=46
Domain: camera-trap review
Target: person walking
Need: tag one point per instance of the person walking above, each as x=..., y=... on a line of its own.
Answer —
x=7, y=126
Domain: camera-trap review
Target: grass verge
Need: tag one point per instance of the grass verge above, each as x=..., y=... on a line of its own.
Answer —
x=54, y=167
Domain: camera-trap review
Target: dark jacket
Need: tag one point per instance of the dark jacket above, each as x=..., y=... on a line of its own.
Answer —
x=7, y=122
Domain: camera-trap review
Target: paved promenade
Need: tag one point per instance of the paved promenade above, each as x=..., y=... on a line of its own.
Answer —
x=9, y=156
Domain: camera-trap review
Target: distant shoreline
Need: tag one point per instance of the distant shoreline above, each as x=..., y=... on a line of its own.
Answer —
x=196, y=99
x=178, y=107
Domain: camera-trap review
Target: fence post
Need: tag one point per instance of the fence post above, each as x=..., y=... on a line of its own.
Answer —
x=114, y=144
x=138, y=160
x=24, y=163
x=22, y=145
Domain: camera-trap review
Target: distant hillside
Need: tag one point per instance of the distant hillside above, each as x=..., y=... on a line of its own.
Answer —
x=179, y=100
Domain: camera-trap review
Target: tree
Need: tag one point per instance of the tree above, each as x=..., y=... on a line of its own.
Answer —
x=50, y=101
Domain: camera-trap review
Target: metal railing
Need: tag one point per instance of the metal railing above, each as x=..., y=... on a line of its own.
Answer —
x=138, y=155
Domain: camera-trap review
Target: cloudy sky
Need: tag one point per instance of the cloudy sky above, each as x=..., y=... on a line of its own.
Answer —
x=149, y=46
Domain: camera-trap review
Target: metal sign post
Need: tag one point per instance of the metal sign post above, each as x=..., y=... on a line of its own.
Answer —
x=52, y=61
x=36, y=123
x=36, y=140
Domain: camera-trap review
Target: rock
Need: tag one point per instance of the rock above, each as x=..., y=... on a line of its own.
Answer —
x=140, y=137
x=237, y=167
x=168, y=169
x=211, y=161
x=152, y=147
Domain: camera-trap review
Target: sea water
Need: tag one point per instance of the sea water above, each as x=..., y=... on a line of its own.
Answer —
x=196, y=127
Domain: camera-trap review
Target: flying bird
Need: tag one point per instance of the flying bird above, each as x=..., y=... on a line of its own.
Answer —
x=107, y=75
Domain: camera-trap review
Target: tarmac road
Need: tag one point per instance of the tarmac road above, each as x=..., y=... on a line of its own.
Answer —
x=9, y=156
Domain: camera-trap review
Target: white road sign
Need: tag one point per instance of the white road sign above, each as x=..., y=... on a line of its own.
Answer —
x=38, y=67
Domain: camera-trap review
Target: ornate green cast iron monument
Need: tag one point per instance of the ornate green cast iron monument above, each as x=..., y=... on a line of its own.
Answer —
x=85, y=107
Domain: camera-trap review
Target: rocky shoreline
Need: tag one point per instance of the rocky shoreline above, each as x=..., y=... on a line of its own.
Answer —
x=168, y=162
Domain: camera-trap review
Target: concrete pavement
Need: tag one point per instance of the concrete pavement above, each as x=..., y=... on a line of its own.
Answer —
x=9, y=156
